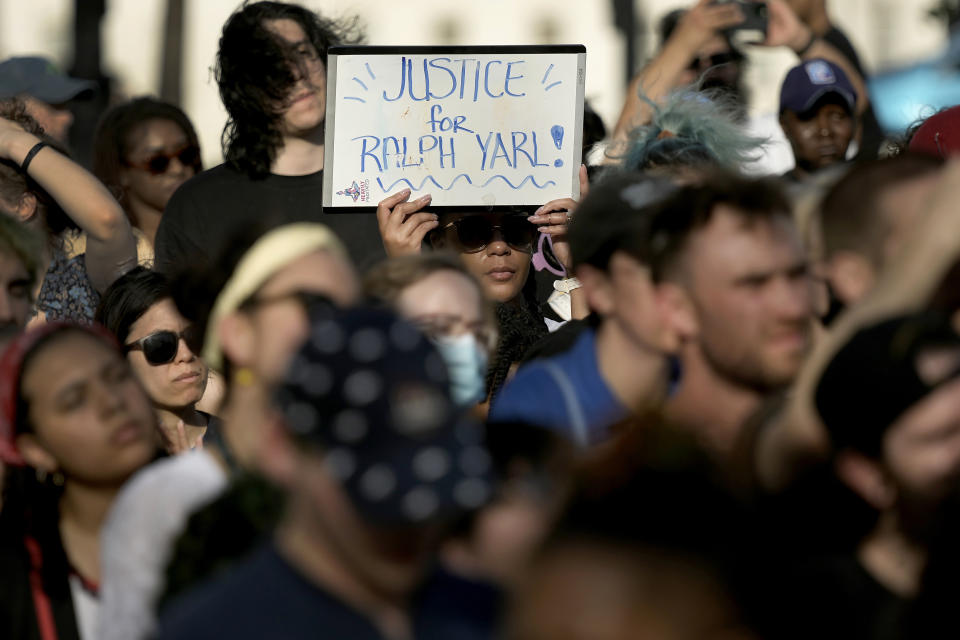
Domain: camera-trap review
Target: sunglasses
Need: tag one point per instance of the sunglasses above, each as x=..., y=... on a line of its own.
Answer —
x=161, y=347
x=312, y=302
x=473, y=233
x=158, y=163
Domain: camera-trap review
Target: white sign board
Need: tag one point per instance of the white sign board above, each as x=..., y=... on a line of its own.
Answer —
x=475, y=127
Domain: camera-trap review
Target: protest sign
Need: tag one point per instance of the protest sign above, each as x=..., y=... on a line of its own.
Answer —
x=476, y=127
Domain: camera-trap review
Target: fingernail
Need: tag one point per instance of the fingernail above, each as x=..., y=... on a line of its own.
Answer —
x=405, y=192
x=427, y=198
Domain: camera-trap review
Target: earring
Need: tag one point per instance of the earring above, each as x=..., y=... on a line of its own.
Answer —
x=41, y=476
x=244, y=377
x=57, y=479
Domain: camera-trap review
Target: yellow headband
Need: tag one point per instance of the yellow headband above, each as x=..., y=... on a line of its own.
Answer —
x=275, y=250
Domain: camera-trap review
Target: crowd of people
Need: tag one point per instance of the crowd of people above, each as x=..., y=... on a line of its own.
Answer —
x=717, y=395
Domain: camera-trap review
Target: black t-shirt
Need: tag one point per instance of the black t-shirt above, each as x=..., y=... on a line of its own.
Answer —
x=211, y=208
x=265, y=597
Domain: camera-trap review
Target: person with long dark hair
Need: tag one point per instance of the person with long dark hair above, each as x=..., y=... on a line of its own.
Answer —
x=271, y=71
x=74, y=425
x=143, y=151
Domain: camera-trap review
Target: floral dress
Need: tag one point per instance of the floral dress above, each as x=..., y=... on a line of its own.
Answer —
x=67, y=293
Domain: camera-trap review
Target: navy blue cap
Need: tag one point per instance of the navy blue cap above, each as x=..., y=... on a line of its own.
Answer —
x=39, y=78
x=373, y=393
x=810, y=81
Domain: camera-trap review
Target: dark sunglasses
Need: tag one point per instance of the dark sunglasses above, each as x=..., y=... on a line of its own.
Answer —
x=312, y=302
x=161, y=347
x=473, y=233
x=158, y=163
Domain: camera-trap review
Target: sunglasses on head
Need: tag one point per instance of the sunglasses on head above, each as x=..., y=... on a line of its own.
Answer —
x=158, y=163
x=473, y=233
x=162, y=347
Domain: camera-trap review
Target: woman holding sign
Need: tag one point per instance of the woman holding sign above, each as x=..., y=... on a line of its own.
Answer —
x=496, y=248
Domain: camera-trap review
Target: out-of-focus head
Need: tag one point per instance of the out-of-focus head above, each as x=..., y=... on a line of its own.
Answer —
x=890, y=399
x=818, y=113
x=45, y=90
x=144, y=149
x=939, y=135
x=20, y=249
x=691, y=130
x=731, y=244
x=271, y=70
x=374, y=453
x=436, y=293
x=249, y=305
x=160, y=343
x=494, y=247
x=71, y=404
x=866, y=216
x=635, y=564
x=609, y=241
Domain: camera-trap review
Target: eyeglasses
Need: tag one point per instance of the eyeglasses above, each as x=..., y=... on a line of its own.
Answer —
x=158, y=163
x=162, y=347
x=473, y=233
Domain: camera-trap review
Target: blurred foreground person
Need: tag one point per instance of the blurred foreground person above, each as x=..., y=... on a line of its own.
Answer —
x=620, y=362
x=818, y=114
x=271, y=72
x=251, y=306
x=143, y=151
x=20, y=250
x=75, y=425
x=865, y=218
x=162, y=349
x=436, y=293
x=374, y=462
x=730, y=245
x=889, y=399
x=44, y=90
x=41, y=187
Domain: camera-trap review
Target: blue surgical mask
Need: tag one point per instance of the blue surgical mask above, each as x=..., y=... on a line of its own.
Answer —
x=466, y=361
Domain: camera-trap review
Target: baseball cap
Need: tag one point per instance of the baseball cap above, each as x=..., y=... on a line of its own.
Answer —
x=939, y=135
x=38, y=77
x=877, y=375
x=810, y=81
x=614, y=216
x=373, y=393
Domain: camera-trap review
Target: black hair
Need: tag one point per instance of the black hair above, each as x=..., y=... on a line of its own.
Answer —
x=520, y=325
x=255, y=71
x=594, y=131
x=129, y=297
x=112, y=141
x=692, y=207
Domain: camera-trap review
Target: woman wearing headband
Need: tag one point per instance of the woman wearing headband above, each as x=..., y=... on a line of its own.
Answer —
x=143, y=151
x=251, y=307
x=161, y=347
x=74, y=426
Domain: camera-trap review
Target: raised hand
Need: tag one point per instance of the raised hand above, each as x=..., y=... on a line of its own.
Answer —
x=402, y=229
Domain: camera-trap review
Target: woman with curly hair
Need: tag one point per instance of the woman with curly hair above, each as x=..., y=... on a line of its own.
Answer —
x=271, y=72
x=143, y=151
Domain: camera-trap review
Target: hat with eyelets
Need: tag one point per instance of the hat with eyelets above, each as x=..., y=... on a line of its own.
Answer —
x=373, y=393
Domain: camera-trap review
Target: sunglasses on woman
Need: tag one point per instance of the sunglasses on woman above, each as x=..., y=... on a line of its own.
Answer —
x=159, y=162
x=162, y=347
x=473, y=233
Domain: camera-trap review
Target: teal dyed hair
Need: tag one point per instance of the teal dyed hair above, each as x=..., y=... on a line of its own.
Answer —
x=703, y=132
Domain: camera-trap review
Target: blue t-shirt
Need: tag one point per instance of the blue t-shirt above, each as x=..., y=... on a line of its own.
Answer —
x=265, y=597
x=565, y=393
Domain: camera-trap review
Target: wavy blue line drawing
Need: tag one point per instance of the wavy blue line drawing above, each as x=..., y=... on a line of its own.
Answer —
x=549, y=69
x=551, y=86
x=357, y=99
x=360, y=82
x=548, y=183
x=370, y=71
x=412, y=187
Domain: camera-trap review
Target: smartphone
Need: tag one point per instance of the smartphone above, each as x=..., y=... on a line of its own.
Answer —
x=755, y=14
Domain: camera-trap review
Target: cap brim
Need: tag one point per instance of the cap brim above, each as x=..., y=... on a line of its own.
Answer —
x=818, y=95
x=57, y=90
